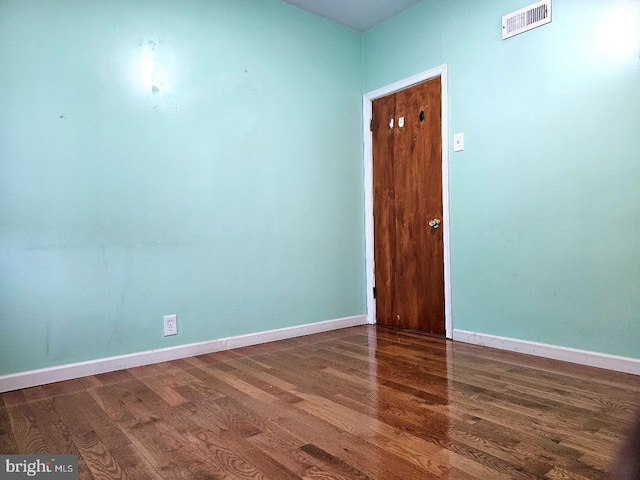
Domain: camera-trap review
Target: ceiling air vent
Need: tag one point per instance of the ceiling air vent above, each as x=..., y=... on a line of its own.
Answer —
x=526, y=18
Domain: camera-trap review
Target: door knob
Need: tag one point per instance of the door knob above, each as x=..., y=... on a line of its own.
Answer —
x=434, y=223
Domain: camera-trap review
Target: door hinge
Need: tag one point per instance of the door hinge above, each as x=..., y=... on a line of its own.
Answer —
x=374, y=292
x=371, y=125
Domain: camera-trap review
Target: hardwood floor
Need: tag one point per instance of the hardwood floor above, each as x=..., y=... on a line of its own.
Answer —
x=359, y=403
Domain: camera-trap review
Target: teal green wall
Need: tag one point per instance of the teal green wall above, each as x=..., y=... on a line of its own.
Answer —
x=231, y=195
x=545, y=199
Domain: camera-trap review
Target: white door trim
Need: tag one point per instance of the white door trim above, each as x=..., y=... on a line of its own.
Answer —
x=442, y=72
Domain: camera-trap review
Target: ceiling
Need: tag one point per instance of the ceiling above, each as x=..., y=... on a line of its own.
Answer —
x=359, y=15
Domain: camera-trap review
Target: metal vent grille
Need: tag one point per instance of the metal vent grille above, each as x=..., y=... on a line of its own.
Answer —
x=526, y=18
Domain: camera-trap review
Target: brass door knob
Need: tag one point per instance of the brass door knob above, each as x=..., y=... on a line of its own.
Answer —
x=435, y=223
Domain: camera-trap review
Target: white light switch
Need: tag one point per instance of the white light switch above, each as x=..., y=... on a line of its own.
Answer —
x=401, y=122
x=458, y=142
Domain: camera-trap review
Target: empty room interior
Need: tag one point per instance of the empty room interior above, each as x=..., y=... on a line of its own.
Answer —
x=280, y=239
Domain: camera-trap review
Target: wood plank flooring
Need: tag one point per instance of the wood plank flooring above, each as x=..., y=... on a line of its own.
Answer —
x=360, y=403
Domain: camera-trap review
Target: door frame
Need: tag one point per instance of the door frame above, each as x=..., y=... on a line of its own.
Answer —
x=441, y=71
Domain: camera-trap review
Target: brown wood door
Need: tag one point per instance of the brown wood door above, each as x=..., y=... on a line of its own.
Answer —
x=407, y=195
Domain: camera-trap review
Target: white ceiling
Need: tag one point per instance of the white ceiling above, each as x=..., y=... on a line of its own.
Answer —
x=359, y=15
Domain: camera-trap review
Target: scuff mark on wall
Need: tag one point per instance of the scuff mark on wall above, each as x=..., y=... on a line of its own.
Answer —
x=123, y=296
x=104, y=258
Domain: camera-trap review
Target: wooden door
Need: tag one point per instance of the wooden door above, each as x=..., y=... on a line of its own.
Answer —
x=407, y=195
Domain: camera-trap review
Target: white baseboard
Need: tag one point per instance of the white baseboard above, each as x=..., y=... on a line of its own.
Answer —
x=43, y=376
x=566, y=354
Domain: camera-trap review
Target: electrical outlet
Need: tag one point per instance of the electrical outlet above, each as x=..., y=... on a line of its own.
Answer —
x=170, y=325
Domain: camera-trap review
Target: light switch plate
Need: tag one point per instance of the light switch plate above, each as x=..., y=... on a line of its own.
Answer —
x=458, y=142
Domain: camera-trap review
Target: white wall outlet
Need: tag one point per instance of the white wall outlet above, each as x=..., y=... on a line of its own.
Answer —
x=170, y=325
x=458, y=142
